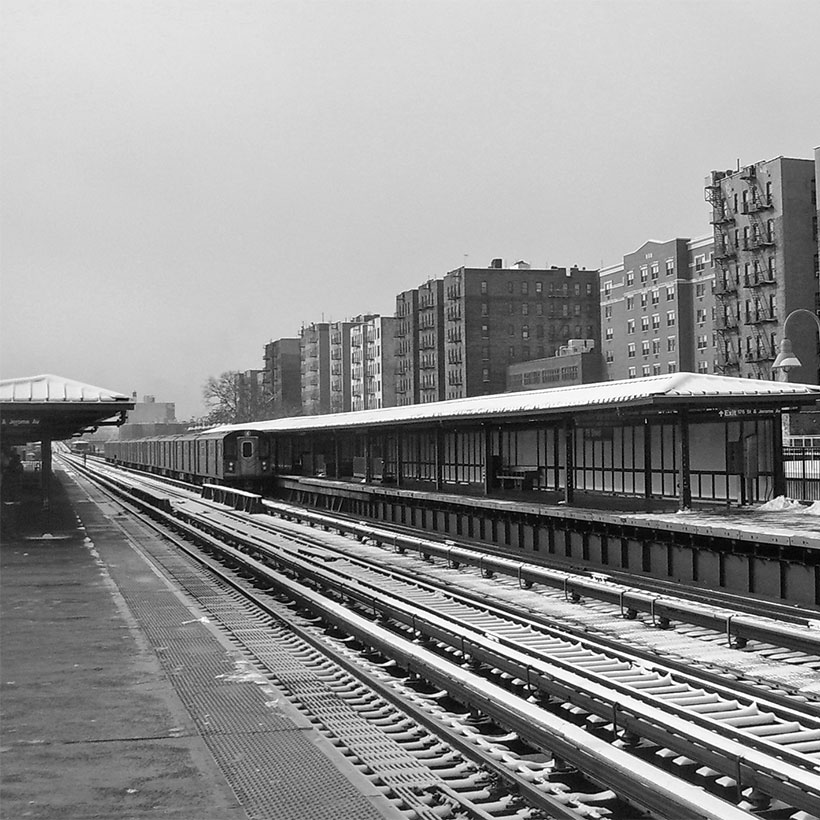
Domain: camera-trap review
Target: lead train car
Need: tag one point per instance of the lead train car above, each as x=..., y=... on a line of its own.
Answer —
x=234, y=457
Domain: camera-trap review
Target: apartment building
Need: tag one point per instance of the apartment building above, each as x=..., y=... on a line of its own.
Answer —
x=372, y=363
x=498, y=316
x=657, y=310
x=250, y=397
x=766, y=240
x=314, y=349
x=339, y=347
x=407, y=347
x=281, y=379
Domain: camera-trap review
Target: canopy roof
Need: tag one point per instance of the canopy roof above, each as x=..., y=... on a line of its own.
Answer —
x=48, y=406
x=676, y=390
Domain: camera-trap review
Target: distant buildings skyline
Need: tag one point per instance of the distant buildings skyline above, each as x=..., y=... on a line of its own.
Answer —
x=710, y=304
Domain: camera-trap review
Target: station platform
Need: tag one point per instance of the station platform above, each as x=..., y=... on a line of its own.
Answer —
x=115, y=694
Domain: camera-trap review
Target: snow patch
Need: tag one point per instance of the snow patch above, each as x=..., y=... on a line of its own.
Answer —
x=780, y=504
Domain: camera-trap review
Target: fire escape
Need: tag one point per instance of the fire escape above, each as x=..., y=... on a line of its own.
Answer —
x=726, y=285
x=759, y=278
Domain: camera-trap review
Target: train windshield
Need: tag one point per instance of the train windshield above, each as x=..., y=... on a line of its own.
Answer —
x=247, y=449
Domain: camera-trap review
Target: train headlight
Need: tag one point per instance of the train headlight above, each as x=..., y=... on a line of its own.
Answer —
x=264, y=466
x=231, y=466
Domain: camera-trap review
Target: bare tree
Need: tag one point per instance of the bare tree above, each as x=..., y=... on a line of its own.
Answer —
x=223, y=397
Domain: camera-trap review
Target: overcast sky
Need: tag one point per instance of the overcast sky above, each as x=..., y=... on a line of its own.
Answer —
x=184, y=181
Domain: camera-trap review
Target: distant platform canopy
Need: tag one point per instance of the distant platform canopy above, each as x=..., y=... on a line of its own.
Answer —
x=50, y=407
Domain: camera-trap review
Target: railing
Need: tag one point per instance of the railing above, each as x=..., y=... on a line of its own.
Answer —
x=802, y=467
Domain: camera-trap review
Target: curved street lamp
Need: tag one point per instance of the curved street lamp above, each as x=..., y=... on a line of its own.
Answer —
x=786, y=360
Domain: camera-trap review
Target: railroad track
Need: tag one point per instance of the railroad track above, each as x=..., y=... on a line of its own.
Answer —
x=770, y=749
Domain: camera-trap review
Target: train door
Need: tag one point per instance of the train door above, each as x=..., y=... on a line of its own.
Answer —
x=248, y=456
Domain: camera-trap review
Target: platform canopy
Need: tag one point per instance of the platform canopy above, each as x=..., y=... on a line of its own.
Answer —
x=43, y=407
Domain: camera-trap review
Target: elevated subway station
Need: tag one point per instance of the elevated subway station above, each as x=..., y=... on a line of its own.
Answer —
x=49, y=408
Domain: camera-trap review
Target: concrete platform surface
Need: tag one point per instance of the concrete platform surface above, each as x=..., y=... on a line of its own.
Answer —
x=99, y=718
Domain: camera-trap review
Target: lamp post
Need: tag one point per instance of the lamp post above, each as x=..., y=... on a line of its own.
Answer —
x=786, y=360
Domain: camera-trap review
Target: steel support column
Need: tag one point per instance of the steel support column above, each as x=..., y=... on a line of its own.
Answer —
x=439, y=460
x=569, y=458
x=778, y=466
x=684, y=475
x=487, y=442
x=45, y=472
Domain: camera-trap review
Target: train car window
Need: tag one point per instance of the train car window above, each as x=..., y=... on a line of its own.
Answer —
x=247, y=449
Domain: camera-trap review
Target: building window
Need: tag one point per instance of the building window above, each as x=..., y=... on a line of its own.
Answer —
x=609, y=333
x=671, y=344
x=483, y=288
x=538, y=287
x=607, y=289
x=539, y=331
x=655, y=268
x=610, y=357
x=485, y=353
x=509, y=287
x=539, y=309
x=525, y=288
x=672, y=367
x=630, y=302
x=525, y=353
x=644, y=323
x=577, y=310
x=645, y=347
x=701, y=316
x=632, y=372
x=511, y=330
x=512, y=352
x=630, y=279
x=656, y=296
x=485, y=374
x=525, y=332
x=645, y=370
x=485, y=309
x=525, y=309
x=630, y=350
x=700, y=289
x=670, y=318
x=608, y=312
x=670, y=267
x=656, y=369
x=656, y=321
x=644, y=299
x=485, y=331
x=630, y=325
x=703, y=366
x=510, y=308
x=670, y=293
x=656, y=346
x=644, y=273
x=703, y=342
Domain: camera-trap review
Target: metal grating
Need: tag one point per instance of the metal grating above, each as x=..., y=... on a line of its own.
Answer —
x=273, y=765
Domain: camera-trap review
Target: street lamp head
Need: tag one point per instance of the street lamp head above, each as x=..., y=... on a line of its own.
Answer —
x=786, y=360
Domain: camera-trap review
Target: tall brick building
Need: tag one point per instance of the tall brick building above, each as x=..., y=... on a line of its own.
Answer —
x=281, y=379
x=314, y=342
x=766, y=240
x=497, y=316
x=657, y=310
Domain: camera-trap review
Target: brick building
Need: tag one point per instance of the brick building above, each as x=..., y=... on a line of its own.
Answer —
x=766, y=240
x=407, y=347
x=372, y=363
x=281, y=379
x=498, y=316
x=314, y=345
x=657, y=310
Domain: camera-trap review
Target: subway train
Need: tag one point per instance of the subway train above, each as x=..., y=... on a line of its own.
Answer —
x=232, y=456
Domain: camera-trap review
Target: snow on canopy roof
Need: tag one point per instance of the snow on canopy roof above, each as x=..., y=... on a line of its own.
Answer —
x=674, y=388
x=49, y=388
